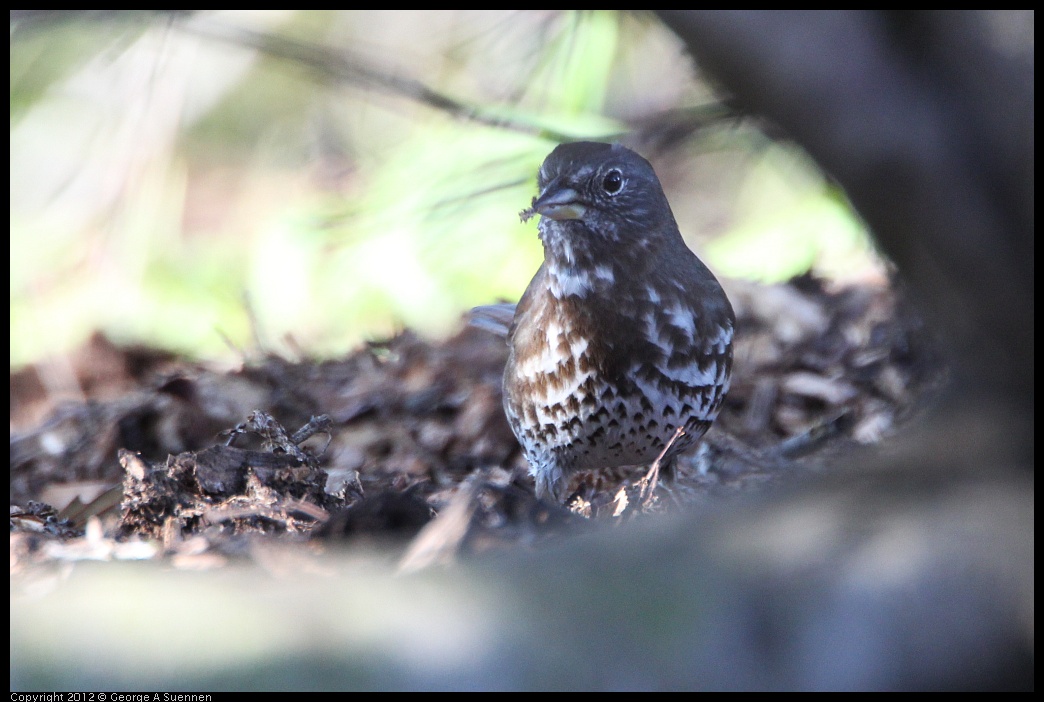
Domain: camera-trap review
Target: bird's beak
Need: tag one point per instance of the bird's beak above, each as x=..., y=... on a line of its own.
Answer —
x=558, y=202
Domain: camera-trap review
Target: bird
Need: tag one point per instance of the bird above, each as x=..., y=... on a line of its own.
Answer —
x=622, y=337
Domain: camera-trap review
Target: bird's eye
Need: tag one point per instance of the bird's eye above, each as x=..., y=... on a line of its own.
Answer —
x=613, y=182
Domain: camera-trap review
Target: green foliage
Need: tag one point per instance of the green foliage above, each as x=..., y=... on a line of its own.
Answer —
x=789, y=220
x=176, y=188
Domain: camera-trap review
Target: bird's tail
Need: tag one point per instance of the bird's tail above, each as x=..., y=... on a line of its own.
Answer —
x=493, y=318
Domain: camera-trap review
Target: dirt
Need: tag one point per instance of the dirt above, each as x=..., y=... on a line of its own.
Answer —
x=404, y=442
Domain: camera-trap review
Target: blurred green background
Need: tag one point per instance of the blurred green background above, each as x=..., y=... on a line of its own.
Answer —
x=299, y=181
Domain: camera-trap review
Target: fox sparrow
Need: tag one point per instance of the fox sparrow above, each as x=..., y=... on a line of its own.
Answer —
x=622, y=336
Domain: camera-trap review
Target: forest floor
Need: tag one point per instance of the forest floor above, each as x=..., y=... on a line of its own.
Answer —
x=404, y=443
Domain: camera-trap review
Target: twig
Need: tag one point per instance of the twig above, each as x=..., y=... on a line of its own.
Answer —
x=652, y=478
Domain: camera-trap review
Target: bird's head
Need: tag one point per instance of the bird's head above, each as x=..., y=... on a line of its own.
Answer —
x=607, y=188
